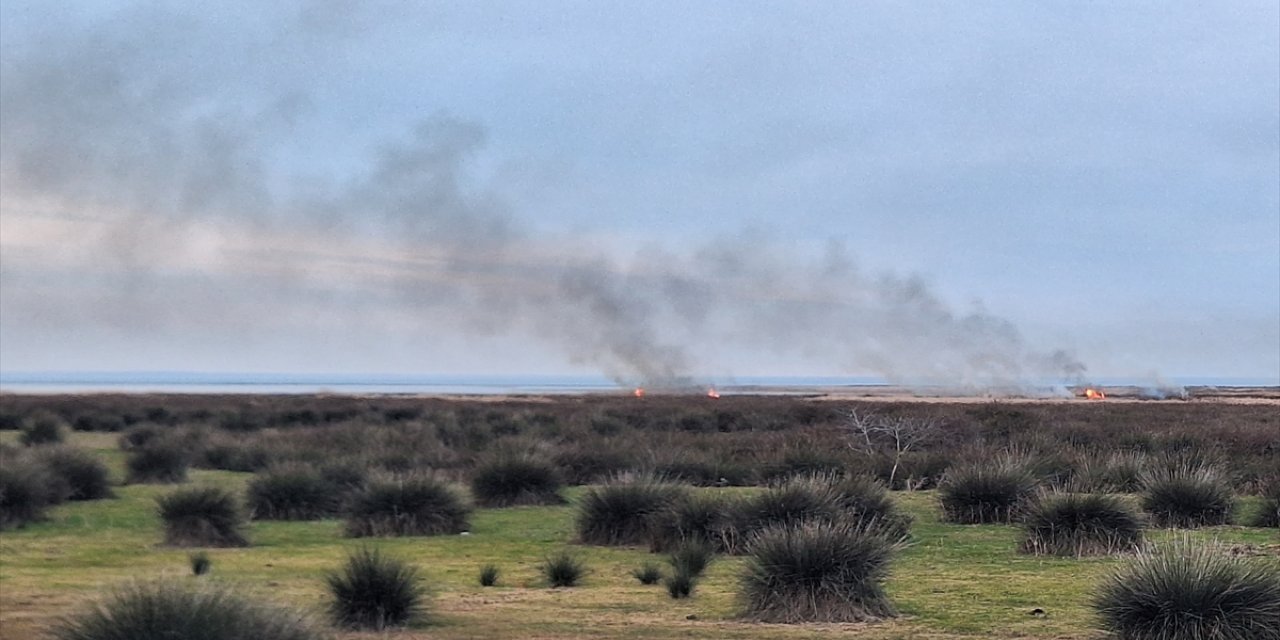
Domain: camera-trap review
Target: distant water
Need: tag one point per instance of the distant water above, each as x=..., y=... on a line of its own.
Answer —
x=284, y=383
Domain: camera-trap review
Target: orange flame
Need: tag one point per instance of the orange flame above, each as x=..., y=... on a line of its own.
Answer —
x=1094, y=394
x=639, y=392
x=712, y=393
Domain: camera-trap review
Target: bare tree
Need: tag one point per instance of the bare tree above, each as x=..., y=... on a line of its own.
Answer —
x=890, y=436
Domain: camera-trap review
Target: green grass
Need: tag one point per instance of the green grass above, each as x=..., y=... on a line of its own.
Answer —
x=953, y=581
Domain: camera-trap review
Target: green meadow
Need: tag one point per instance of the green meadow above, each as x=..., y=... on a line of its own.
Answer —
x=951, y=581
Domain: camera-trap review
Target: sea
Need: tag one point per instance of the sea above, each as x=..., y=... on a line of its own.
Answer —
x=310, y=383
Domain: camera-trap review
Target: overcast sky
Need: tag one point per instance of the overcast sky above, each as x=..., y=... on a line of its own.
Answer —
x=981, y=192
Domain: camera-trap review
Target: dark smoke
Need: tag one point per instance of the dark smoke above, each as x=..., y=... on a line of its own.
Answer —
x=198, y=223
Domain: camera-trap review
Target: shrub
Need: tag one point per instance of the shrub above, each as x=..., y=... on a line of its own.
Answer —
x=985, y=492
x=698, y=517
x=1073, y=524
x=865, y=500
x=24, y=491
x=1268, y=514
x=292, y=492
x=583, y=465
x=1118, y=472
x=163, y=461
x=138, y=436
x=563, y=569
x=680, y=584
x=374, y=591
x=166, y=610
x=488, y=575
x=808, y=461
x=1187, y=496
x=516, y=480
x=202, y=517
x=200, y=563
x=1191, y=592
x=621, y=512
x=799, y=499
x=817, y=571
x=691, y=558
x=648, y=573
x=79, y=474
x=414, y=505
x=43, y=427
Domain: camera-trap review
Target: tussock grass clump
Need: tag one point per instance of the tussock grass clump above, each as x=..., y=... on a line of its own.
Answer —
x=795, y=500
x=1268, y=514
x=516, y=480
x=167, y=610
x=43, y=427
x=160, y=461
x=138, y=436
x=293, y=492
x=1187, y=496
x=1073, y=524
x=817, y=571
x=1192, y=592
x=563, y=569
x=865, y=500
x=373, y=591
x=200, y=563
x=489, y=575
x=680, y=584
x=648, y=573
x=202, y=517
x=1119, y=471
x=79, y=474
x=413, y=505
x=986, y=492
x=24, y=491
x=622, y=511
x=691, y=557
x=697, y=517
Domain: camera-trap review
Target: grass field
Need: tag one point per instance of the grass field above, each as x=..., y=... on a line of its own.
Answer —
x=952, y=581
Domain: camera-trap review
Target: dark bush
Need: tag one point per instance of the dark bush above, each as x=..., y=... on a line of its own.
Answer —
x=139, y=435
x=1187, y=496
x=202, y=517
x=489, y=575
x=375, y=592
x=865, y=500
x=585, y=465
x=293, y=492
x=43, y=427
x=79, y=474
x=806, y=460
x=169, y=610
x=648, y=573
x=1191, y=592
x=516, y=480
x=694, y=517
x=985, y=492
x=161, y=461
x=622, y=512
x=563, y=569
x=691, y=558
x=200, y=563
x=414, y=505
x=799, y=499
x=1076, y=524
x=24, y=491
x=680, y=584
x=817, y=571
x=1115, y=472
x=1268, y=514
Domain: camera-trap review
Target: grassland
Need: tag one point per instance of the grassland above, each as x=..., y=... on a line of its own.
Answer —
x=952, y=581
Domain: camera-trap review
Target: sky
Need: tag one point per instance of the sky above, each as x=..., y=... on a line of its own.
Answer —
x=978, y=193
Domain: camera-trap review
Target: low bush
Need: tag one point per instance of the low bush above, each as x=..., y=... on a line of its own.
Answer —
x=563, y=569
x=1268, y=514
x=694, y=517
x=414, y=505
x=489, y=575
x=43, y=427
x=622, y=511
x=200, y=563
x=138, y=436
x=648, y=573
x=202, y=517
x=796, y=500
x=1074, y=524
x=584, y=465
x=1117, y=472
x=293, y=492
x=817, y=571
x=680, y=584
x=24, y=491
x=691, y=558
x=1187, y=496
x=167, y=610
x=373, y=591
x=864, y=500
x=804, y=461
x=79, y=475
x=160, y=461
x=1192, y=592
x=516, y=480
x=985, y=492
